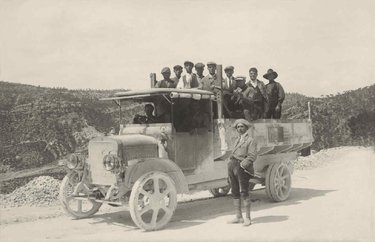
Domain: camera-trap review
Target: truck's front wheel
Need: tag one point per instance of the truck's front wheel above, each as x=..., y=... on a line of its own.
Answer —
x=153, y=200
x=76, y=207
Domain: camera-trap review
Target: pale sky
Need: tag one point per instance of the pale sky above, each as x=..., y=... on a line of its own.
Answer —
x=317, y=47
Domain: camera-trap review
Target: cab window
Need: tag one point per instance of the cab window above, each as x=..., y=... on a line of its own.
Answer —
x=190, y=114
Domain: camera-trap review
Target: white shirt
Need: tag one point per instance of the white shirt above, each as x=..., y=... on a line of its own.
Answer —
x=254, y=83
x=228, y=81
x=180, y=83
x=188, y=78
x=242, y=137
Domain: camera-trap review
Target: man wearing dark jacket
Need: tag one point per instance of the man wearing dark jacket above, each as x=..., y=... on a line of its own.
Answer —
x=167, y=82
x=275, y=95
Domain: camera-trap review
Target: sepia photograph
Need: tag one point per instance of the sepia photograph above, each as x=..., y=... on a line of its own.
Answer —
x=187, y=120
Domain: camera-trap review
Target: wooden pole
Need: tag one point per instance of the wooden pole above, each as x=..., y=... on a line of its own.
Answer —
x=219, y=94
x=153, y=79
x=309, y=108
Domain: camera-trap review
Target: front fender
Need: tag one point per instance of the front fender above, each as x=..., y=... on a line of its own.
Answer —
x=138, y=167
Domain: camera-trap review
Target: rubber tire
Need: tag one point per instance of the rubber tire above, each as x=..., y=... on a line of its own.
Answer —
x=220, y=192
x=65, y=204
x=271, y=188
x=133, y=201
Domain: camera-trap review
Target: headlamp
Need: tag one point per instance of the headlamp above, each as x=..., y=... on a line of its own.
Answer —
x=73, y=161
x=111, y=162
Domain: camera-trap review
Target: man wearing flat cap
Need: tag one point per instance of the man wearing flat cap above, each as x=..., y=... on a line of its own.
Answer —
x=199, y=68
x=228, y=81
x=177, y=69
x=243, y=97
x=189, y=80
x=275, y=95
x=257, y=96
x=241, y=169
x=236, y=99
x=210, y=81
x=167, y=82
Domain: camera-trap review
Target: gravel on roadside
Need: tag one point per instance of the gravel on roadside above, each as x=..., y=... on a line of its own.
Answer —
x=41, y=191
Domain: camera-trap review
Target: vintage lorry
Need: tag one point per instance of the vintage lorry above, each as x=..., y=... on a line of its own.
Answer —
x=146, y=165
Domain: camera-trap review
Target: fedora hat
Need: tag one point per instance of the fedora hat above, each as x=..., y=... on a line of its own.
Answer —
x=270, y=73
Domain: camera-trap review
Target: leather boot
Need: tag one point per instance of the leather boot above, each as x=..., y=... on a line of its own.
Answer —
x=237, y=208
x=247, y=205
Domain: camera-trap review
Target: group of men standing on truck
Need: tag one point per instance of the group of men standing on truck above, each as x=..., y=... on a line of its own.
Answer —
x=253, y=99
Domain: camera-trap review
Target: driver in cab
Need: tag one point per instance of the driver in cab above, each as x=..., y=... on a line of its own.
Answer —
x=146, y=119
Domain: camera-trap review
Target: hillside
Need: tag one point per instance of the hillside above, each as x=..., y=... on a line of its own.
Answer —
x=40, y=125
x=338, y=120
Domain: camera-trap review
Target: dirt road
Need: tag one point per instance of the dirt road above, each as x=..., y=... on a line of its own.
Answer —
x=333, y=202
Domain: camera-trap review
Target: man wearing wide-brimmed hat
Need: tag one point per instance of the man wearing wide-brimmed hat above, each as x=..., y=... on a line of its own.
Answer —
x=275, y=95
x=241, y=169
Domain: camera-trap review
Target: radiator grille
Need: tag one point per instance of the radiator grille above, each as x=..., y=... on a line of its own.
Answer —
x=137, y=152
x=97, y=151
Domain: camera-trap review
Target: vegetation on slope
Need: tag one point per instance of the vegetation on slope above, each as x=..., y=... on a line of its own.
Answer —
x=40, y=125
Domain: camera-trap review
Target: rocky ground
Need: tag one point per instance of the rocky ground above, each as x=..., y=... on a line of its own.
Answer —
x=334, y=201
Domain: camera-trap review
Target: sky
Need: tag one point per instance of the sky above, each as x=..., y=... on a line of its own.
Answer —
x=317, y=47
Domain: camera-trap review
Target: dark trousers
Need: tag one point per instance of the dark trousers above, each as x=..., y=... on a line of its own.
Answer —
x=272, y=113
x=238, y=178
x=253, y=112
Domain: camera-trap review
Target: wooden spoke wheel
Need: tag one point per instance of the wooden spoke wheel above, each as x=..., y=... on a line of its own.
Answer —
x=153, y=200
x=76, y=207
x=278, y=182
x=220, y=192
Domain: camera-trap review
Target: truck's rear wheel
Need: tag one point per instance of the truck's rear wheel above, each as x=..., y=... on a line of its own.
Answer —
x=153, y=200
x=220, y=192
x=76, y=208
x=278, y=182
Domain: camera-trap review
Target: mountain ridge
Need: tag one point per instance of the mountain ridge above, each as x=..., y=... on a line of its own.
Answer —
x=40, y=125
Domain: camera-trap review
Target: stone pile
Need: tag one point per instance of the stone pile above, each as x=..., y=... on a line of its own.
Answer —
x=321, y=158
x=41, y=191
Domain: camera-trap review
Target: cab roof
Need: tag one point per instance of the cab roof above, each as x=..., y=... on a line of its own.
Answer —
x=171, y=92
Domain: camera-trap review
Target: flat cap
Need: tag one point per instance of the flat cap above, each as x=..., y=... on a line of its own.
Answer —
x=241, y=121
x=253, y=69
x=240, y=78
x=165, y=70
x=229, y=68
x=186, y=63
x=199, y=65
x=211, y=63
x=177, y=67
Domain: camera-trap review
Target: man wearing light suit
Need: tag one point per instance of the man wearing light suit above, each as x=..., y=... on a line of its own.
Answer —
x=241, y=169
